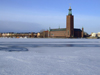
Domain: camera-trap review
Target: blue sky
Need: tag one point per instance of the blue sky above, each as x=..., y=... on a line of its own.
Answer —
x=37, y=15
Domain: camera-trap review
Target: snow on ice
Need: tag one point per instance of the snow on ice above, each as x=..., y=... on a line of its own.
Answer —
x=49, y=56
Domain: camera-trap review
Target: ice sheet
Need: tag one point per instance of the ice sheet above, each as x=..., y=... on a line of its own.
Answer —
x=26, y=59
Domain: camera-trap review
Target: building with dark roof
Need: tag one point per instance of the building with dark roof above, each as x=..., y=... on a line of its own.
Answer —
x=69, y=31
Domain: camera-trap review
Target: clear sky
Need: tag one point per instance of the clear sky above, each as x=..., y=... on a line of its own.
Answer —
x=37, y=15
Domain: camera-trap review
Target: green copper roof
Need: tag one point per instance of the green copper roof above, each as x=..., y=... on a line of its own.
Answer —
x=59, y=29
x=70, y=11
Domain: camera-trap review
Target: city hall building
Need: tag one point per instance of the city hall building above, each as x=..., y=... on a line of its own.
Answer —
x=69, y=31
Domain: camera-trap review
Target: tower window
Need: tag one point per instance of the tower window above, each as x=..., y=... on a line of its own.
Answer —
x=68, y=32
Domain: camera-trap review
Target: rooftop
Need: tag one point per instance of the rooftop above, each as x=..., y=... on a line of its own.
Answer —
x=64, y=29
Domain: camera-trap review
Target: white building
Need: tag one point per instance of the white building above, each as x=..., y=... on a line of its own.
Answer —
x=98, y=34
x=93, y=34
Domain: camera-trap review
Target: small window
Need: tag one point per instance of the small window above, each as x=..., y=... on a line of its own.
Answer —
x=51, y=34
x=68, y=32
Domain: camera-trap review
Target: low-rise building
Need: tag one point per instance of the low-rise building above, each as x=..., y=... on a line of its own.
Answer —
x=38, y=35
x=98, y=34
x=93, y=34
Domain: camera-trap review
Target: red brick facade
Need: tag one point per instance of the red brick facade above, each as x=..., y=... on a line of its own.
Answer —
x=60, y=34
x=69, y=26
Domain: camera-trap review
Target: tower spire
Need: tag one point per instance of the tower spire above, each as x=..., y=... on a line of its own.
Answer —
x=70, y=7
x=70, y=11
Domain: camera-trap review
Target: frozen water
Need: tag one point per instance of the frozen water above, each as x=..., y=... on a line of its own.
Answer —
x=49, y=56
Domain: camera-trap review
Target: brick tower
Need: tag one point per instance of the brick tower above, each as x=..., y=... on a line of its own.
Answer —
x=70, y=24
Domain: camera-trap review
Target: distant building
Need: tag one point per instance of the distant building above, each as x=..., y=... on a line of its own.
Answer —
x=44, y=34
x=98, y=34
x=18, y=35
x=0, y=35
x=38, y=35
x=69, y=31
x=93, y=34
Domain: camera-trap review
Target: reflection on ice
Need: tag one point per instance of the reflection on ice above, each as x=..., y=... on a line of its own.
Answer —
x=13, y=48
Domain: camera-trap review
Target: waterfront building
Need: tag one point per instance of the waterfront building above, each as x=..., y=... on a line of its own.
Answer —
x=69, y=31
